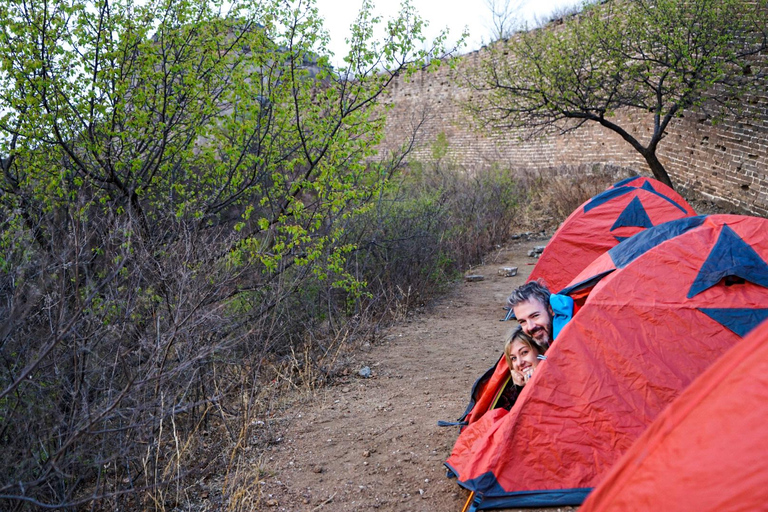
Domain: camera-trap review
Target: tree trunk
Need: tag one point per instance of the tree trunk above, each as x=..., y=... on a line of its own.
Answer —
x=658, y=170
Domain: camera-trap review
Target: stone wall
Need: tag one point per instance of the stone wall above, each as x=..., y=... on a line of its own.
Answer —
x=726, y=162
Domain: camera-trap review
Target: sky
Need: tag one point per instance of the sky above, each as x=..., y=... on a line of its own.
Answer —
x=452, y=14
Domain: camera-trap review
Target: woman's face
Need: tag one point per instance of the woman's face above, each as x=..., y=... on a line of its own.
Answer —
x=524, y=360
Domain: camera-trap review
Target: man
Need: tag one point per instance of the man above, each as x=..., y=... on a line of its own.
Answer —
x=540, y=313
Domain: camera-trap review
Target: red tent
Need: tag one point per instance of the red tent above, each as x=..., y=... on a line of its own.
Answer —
x=707, y=450
x=621, y=255
x=646, y=331
x=623, y=210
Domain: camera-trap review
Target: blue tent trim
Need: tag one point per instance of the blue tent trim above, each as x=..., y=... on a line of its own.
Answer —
x=629, y=250
x=545, y=498
x=624, y=181
x=587, y=283
x=606, y=196
x=738, y=320
x=634, y=215
x=647, y=186
x=491, y=495
x=730, y=256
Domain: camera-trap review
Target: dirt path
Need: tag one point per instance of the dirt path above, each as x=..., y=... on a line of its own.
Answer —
x=374, y=443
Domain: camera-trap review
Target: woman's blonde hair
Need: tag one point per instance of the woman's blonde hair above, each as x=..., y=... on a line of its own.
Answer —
x=518, y=334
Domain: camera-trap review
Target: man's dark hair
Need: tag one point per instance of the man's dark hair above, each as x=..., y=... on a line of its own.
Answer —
x=533, y=290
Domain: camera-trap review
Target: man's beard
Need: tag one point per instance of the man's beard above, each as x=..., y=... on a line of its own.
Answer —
x=541, y=337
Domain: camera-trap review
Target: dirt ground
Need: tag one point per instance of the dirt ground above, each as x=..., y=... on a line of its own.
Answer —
x=374, y=443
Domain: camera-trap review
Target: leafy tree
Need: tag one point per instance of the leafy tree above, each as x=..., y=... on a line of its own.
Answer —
x=654, y=57
x=173, y=177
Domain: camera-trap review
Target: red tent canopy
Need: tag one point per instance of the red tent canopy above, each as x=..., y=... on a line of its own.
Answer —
x=646, y=331
x=623, y=210
x=707, y=450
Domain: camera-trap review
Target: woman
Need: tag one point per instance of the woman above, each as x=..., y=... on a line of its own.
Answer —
x=522, y=355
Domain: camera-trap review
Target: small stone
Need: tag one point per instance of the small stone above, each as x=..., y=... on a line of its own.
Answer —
x=474, y=277
x=317, y=469
x=345, y=389
x=365, y=372
x=272, y=503
x=508, y=271
x=367, y=453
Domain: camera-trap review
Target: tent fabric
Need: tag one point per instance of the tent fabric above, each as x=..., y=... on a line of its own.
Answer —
x=626, y=252
x=637, y=342
x=706, y=451
x=486, y=390
x=607, y=219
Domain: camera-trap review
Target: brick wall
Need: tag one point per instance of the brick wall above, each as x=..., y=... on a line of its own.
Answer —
x=726, y=162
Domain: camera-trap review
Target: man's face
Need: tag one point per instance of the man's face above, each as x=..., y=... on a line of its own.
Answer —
x=536, y=320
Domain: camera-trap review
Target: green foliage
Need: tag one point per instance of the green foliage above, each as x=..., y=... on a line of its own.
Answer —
x=432, y=225
x=656, y=57
x=174, y=176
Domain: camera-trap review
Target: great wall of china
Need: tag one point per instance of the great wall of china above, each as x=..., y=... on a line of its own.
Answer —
x=725, y=162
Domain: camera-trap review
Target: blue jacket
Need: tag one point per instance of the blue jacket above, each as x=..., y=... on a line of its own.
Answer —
x=562, y=312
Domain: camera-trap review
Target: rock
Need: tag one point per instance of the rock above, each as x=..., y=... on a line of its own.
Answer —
x=272, y=503
x=508, y=271
x=345, y=389
x=539, y=248
x=474, y=277
x=365, y=372
x=367, y=453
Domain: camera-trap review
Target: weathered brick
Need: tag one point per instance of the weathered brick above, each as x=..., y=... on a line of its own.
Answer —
x=715, y=160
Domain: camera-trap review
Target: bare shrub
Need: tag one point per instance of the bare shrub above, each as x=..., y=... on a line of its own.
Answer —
x=431, y=226
x=175, y=186
x=553, y=194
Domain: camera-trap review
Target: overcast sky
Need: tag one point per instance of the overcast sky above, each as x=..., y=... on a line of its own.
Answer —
x=453, y=14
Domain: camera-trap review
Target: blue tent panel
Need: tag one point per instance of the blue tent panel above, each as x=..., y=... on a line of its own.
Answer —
x=587, y=283
x=731, y=256
x=647, y=186
x=634, y=215
x=626, y=252
x=524, y=499
x=624, y=181
x=606, y=196
x=495, y=496
x=738, y=320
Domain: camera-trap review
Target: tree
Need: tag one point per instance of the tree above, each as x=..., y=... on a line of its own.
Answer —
x=176, y=182
x=654, y=57
x=504, y=18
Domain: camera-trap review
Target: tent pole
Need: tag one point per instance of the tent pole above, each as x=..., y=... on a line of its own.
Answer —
x=469, y=501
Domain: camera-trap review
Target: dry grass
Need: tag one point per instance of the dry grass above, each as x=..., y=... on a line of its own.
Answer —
x=553, y=194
